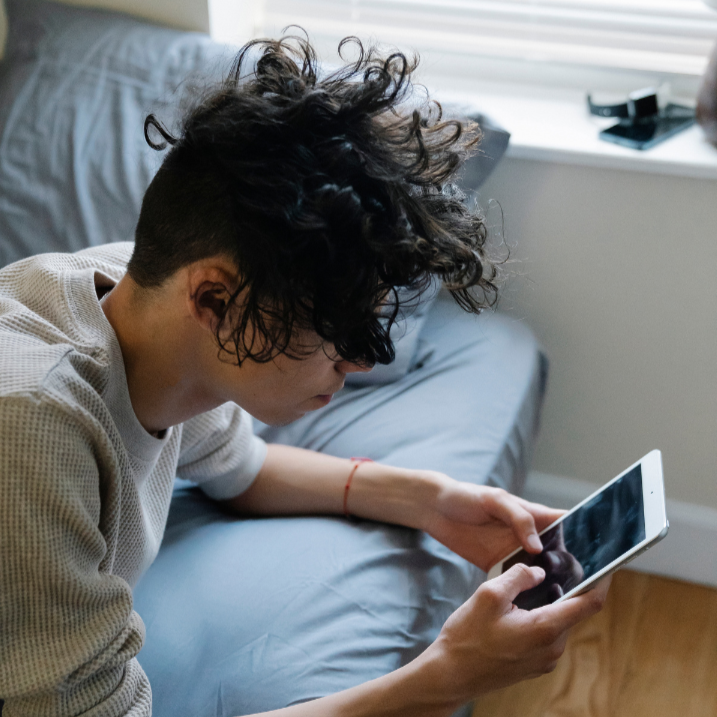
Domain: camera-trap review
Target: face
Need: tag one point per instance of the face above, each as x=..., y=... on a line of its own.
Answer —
x=276, y=392
x=285, y=389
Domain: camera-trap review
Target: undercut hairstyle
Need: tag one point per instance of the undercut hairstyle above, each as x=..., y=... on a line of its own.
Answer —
x=329, y=191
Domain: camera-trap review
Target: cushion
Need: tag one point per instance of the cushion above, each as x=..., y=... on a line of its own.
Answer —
x=404, y=334
x=75, y=86
x=247, y=615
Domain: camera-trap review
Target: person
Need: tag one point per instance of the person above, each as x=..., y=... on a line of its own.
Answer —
x=271, y=245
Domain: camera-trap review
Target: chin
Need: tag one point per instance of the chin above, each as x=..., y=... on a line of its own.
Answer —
x=278, y=419
x=279, y=422
x=283, y=415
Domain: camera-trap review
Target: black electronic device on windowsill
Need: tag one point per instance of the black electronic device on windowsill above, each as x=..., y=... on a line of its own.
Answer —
x=642, y=123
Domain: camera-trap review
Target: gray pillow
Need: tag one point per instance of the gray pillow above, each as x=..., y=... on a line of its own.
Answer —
x=75, y=86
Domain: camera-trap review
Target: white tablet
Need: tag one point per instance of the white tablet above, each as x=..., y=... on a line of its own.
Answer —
x=614, y=525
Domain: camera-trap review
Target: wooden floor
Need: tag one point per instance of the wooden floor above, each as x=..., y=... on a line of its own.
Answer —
x=652, y=652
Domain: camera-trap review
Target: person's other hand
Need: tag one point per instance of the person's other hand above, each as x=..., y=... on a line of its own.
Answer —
x=562, y=570
x=562, y=567
x=488, y=643
x=484, y=524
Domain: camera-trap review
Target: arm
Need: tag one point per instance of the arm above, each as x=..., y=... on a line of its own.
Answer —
x=68, y=634
x=480, y=523
x=487, y=644
x=295, y=481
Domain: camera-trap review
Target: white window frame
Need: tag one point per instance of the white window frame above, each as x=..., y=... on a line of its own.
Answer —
x=529, y=61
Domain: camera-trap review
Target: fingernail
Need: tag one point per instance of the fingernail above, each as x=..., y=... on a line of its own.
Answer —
x=534, y=542
x=539, y=572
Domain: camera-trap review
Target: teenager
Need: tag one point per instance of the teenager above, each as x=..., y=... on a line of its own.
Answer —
x=267, y=257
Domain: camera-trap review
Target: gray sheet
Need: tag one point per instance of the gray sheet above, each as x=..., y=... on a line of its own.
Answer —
x=75, y=86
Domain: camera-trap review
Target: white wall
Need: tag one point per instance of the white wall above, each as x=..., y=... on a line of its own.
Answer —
x=182, y=14
x=618, y=278
x=3, y=28
x=231, y=22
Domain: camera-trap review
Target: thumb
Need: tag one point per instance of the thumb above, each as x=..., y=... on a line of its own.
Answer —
x=514, y=581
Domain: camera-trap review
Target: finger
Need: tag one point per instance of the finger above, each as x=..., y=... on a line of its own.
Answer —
x=507, y=508
x=555, y=592
x=570, y=612
x=543, y=515
x=602, y=587
x=561, y=562
x=551, y=560
x=512, y=582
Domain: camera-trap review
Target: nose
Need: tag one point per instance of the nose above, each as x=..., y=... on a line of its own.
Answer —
x=347, y=367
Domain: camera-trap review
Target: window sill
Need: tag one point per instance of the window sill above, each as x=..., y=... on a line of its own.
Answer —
x=556, y=127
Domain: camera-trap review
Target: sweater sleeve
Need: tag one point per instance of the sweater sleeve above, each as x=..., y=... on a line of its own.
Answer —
x=68, y=634
x=220, y=452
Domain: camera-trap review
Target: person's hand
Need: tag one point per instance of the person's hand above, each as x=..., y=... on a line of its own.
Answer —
x=563, y=571
x=562, y=568
x=488, y=643
x=484, y=524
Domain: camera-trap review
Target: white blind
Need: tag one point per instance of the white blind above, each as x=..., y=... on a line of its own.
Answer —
x=667, y=36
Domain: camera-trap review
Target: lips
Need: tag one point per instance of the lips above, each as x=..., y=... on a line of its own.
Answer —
x=326, y=397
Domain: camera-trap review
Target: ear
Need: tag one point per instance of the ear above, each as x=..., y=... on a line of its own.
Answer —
x=210, y=303
x=209, y=291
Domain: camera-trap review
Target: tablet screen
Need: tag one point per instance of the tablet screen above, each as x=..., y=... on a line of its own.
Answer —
x=586, y=541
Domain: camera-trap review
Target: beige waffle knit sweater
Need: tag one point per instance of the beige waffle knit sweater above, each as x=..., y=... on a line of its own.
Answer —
x=85, y=490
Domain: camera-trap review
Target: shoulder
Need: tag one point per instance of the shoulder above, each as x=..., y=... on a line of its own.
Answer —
x=45, y=416
x=54, y=371
x=216, y=426
x=110, y=257
x=47, y=455
x=52, y=329
x=43, y=269
x=220, y=452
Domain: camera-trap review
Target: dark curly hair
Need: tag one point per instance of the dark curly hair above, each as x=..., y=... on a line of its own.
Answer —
x=329, y=192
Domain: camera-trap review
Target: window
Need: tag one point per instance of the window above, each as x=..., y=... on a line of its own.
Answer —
x=665, y=37
x=659, y=35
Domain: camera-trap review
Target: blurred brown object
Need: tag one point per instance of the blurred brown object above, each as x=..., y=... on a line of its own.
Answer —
x=707, y=101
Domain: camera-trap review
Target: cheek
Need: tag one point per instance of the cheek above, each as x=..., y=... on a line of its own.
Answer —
x=283, y=390
x=312, y=372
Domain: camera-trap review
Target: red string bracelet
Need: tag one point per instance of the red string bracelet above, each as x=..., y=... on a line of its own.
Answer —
x=358, y=462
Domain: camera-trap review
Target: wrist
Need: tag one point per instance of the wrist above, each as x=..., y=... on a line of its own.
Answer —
x=414, y=689
x=395, y=495
x=430, y=684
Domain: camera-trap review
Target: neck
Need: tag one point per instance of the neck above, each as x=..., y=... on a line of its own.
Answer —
x=163, y=377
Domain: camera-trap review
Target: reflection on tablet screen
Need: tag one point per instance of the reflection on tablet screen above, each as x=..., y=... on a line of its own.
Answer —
x=586, y=541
